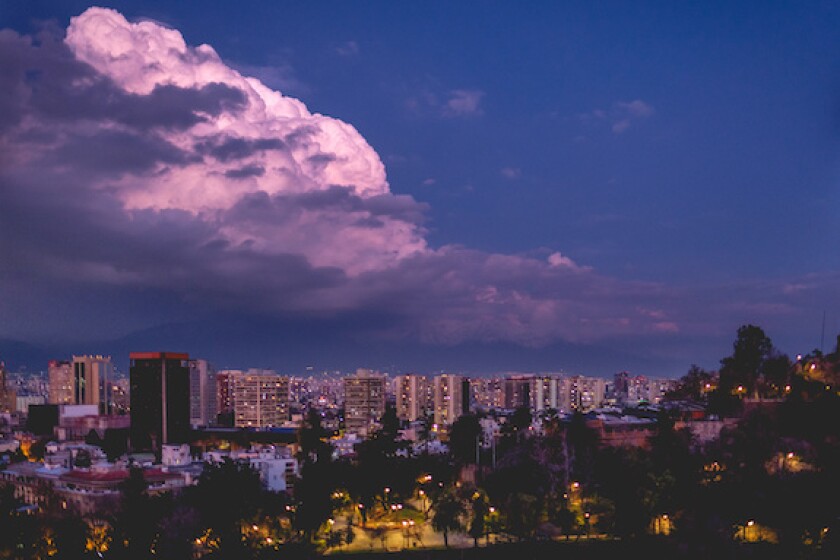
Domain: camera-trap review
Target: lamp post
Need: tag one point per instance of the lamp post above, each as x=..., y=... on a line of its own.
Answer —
x=749, y=523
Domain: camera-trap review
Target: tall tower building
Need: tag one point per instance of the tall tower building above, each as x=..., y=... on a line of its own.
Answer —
x=61, y=382
x=621, y=386
x=160, y=399
x=581, y=393
x=518, y=390
x=5, y=395
x=202, y=393
x=261, y=399
x=412, y=396
x=364, y=400
x=448, y=399
x=544, y=396
x=224, y=390
x=93, y=377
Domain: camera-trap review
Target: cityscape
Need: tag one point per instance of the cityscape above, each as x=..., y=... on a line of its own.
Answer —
x=473, y=280
x=369, y=462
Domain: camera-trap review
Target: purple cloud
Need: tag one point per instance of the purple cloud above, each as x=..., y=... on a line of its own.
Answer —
x=136, y=162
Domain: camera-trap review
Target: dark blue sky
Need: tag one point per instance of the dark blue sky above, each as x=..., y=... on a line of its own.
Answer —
x=690, y=146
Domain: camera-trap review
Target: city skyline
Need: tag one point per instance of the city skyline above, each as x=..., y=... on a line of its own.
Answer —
x=581, y=188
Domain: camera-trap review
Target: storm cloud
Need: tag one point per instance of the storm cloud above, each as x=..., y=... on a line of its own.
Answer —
x=133, y=161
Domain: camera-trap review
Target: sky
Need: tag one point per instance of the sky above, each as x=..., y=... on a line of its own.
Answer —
x=586, y=187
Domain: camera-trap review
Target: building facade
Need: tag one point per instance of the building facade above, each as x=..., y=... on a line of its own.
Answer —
x=544, y=394
x=518, y=390
x=93, y=377
x=61, y=386
x=448, y=399
x=364, y=400
x=160, y=399
x=579, y=393
x=202, y=393
x=261, y=399
x=412, y=396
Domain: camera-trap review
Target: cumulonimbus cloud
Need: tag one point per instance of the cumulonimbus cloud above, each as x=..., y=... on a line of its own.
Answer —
x=131, y=158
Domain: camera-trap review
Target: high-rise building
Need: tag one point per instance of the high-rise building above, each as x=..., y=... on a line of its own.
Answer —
x=261, y=399
x=224, y=390
x=621, y=386
x=364, y=400
x=160, y=399
x=92, y=381
x=202, y=393
x=61, y=389
x=544, y=396
x=466, y=396
x=488, y=393
x=518, y=390
x=448, y=399
x=581, y=393
x=5, y=396
x=412, y=396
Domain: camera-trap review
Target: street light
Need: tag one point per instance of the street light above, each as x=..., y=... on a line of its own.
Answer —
x=749, y=523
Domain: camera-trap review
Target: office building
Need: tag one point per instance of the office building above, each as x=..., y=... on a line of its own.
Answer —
x=364, y=401
x=92, y=381
x=160, y=399
x=448, y=399
x=202, y=393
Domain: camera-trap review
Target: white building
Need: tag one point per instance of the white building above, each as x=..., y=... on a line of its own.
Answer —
x=276, y=466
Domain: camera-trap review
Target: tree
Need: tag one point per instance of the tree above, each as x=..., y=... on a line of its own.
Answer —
x=70, y=535
x=311, y=439
x=478, y=522
x=82, y=459
x=463, y=438
x=518, y=423
x=226, y=494
x=580, y=448
x=177, y=532
x=692, y=386
x=115, y=443
x=449, y=510
x=425, y=434
x=92, y=438
x=750, y=350
x=136, y=523
x=313, y=494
